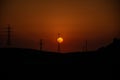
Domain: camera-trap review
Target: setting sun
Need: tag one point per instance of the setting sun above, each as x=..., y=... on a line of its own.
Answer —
x=60, y=40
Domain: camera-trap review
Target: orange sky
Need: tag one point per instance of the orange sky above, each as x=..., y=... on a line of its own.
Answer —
x=77, y=20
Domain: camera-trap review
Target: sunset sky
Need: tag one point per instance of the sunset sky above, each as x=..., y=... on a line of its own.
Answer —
x=96, y=21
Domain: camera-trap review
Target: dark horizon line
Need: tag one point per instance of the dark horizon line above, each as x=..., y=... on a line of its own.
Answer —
x=115, y=42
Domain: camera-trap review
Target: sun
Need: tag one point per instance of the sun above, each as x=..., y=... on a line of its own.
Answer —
x=60, y=40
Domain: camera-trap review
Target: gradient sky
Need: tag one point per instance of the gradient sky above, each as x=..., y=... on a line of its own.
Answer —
x=77, y=20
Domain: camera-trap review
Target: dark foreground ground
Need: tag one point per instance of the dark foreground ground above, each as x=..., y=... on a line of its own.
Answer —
x=28, y=56
x=105, y=55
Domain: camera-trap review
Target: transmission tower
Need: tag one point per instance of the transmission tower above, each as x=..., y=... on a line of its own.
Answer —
x=8, y=35
x=41, y=44
x=86, y=45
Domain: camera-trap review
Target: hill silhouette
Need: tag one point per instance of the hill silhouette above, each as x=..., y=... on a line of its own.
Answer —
x=112, y=51
x=108, y=54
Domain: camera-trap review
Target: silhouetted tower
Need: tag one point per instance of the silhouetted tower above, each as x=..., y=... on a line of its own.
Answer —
x=59, y=43
x=83, y=46
x=9, y=35
x=86, y=45
x=41, y=44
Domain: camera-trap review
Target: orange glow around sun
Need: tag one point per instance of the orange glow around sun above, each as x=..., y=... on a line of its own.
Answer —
x=60, y=40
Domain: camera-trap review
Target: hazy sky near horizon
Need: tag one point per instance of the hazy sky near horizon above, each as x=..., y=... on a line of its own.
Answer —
x=77, y=20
